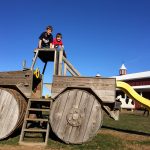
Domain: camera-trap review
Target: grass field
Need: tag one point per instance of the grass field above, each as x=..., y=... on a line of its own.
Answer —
x=131, y=132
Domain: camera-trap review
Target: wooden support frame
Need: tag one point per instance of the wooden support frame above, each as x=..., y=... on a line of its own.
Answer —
x=56, y=63
x=70, y=67
x=61, y=64
x=34, y=59
x=71, y=71
x=44, y=68
x=65, y=69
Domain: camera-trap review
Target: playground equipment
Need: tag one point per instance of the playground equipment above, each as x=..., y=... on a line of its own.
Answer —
x=74, y=111
x=132, y=93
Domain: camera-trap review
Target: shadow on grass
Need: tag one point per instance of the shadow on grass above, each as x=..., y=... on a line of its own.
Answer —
x=15, y=134
x=53, y=137
x=127, y=131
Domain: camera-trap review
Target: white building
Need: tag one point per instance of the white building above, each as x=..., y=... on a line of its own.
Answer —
x=139, y=81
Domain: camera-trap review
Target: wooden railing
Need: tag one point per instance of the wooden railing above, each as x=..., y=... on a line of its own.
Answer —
x=62, y=65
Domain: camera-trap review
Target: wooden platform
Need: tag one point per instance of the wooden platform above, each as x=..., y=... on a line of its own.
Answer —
x=47, y=54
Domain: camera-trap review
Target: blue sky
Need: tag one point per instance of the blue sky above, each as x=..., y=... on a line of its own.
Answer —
x=98, y=35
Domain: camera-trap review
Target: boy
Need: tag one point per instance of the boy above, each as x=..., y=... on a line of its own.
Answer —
x=57, y=42
x=46, y=38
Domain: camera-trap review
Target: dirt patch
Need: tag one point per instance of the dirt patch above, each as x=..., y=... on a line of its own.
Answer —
x=8, y=147
x=137, y=147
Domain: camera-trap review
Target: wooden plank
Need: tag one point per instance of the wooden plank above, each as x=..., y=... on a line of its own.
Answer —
x=64, y=126
x=16, y=73
x=60, y=62
x=60, y=109
x=36, y=119
x=21, y=79
x=86, y=106
x=70, y=66
x=75, y=105
x=79, y=101
x=71, y=72
x=37, y=109
x=86, y=80
x=105, y=88
x=65, y=69
x=101, y=83
x=93, y=123
x=57, y=111
x=55, y=63
x=35, y=130
x=34, y=60
x=40, y=100
x=33, y=144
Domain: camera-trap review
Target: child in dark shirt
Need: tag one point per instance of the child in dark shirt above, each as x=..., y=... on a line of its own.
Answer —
x=46, y=38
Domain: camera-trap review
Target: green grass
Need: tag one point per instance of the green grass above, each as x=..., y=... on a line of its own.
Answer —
x=10, y=141
x=99, y=141
x=130, y=123
x=133, y=122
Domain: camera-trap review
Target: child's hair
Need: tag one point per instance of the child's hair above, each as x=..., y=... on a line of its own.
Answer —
x=59, y=35
x=49, y=27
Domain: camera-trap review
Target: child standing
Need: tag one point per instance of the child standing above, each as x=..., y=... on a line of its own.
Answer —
x=46, y=38
x=57, y=42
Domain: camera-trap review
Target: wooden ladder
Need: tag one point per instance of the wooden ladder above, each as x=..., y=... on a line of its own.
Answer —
x=37, y=125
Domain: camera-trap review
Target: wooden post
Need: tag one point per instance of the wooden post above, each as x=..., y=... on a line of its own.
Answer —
x=65, y=69
x=34, y=59
x=60, y=62
x=44, y=68
x=55, y=63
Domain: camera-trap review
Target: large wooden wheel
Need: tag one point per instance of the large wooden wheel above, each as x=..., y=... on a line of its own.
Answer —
x=12, y=111
x=76, y=116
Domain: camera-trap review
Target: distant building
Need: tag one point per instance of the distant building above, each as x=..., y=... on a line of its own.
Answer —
x=123, y=70
x=139, y=81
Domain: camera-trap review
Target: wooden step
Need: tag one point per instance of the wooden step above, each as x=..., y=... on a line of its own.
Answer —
x=40, y=100
x=35, y=130
x=32, y=143
x=38, y=109
x=36, y=119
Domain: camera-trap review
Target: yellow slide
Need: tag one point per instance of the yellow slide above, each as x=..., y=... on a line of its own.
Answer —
x=132, y=93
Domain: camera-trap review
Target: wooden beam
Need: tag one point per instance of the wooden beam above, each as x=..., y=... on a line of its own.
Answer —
x=44, y=68
x=72, y=73
x=55, y=64
x=65, y=69
x=71, y=66
x=34, y=59
x=60, y=62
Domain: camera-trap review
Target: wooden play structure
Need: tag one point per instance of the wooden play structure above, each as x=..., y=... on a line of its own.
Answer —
x=74, y=112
